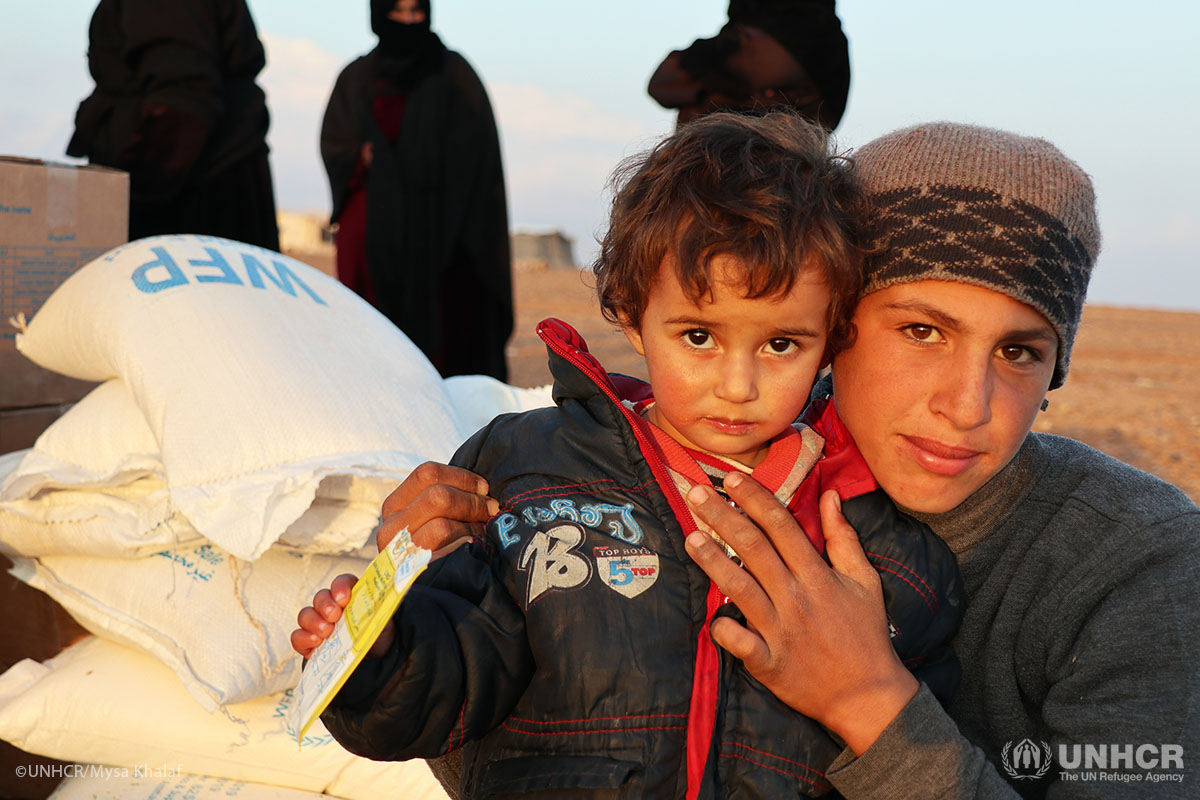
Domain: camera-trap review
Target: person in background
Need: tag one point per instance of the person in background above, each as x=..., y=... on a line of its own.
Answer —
x=770, y=54
x=177, y=107
x=413, y=159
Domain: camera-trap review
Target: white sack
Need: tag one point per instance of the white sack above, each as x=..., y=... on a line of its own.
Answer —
x=222, y=624
x=93, y=485
x=118, y=783
x=118, y=522
x=478, y=399
x=100, y=703
x=10, y=461
x=103, y=440
x=134, y=520
x=257, y=375
x=126, y=520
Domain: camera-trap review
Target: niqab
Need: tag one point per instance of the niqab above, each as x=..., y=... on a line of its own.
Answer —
x=407, y=52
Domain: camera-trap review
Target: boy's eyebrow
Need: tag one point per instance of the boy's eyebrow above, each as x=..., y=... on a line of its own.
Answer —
x=943, y=319
x=798, y=333
x=1042, y=333
x=1033, y=335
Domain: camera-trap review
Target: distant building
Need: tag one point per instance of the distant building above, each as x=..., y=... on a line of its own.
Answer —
x=302, y=232
x=308, y=236
x=533, y=252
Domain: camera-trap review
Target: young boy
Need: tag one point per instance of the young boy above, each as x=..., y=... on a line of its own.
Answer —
x=567, y=650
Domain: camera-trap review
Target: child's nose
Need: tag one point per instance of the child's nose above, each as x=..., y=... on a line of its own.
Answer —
x=738, y=382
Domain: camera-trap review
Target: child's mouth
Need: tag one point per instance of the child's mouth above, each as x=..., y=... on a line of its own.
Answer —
x=731, y=427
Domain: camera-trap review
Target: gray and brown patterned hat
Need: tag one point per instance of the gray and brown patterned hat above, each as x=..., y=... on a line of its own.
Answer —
x=986, y=207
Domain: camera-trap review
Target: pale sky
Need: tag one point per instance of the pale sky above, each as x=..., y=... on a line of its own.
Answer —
x=1115, y=85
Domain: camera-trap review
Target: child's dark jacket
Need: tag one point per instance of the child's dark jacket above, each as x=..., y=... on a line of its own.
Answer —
x=568, y=650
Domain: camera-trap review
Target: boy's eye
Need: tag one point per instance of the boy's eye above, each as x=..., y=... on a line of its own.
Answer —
x=1018, y=354
x=698, y=338
x=923, y=333
x=781, y=345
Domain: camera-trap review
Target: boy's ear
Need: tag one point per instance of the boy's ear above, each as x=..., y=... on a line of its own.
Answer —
x=633, y=335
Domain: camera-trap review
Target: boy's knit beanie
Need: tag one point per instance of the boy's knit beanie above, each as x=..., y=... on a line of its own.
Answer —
x=986, y=207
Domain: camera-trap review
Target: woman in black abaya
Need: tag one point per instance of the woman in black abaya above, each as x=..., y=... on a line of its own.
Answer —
x=413, y=158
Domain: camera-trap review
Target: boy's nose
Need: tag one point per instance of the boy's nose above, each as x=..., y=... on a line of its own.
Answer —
x=963, y=393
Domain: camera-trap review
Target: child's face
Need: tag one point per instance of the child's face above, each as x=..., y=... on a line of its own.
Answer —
x=729, y=373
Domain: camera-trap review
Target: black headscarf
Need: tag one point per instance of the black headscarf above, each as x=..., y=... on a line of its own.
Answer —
x=811, y=31
x=407, y=52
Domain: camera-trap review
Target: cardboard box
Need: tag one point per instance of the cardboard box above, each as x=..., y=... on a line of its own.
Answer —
x=54, y=218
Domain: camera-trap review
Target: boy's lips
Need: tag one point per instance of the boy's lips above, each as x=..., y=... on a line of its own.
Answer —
x=940, y=458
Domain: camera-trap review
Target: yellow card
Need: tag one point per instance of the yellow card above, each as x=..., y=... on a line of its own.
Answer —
x=373, y=601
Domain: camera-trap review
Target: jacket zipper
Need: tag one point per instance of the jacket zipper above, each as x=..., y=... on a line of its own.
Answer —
x=702, y=710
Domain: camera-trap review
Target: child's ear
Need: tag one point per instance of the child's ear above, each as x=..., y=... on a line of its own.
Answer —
x=633, y=335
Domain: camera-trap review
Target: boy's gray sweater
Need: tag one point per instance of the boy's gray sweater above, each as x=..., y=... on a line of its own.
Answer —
x=1082, y=629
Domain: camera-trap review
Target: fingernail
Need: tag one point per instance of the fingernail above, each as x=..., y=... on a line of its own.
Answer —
x=481, y=486
x=695, y=540
x=734, y=480
x=698, y=494
x=493, y=507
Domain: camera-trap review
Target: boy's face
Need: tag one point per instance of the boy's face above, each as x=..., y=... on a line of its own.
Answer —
x=941, y=386
x=729, y=373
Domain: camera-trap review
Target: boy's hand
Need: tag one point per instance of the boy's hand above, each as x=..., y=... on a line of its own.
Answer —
x=317, y=621
x=439, y=504
x=817, y=633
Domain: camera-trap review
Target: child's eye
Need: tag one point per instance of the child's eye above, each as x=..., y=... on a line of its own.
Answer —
x=698, y=338
x=781, y=345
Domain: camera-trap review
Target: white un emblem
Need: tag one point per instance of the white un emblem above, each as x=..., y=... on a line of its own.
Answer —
x=1026, y=759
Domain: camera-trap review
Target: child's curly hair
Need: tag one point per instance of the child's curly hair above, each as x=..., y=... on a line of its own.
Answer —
x=763, y=189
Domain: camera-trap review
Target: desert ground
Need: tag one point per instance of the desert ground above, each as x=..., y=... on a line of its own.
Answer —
x=1133, y=389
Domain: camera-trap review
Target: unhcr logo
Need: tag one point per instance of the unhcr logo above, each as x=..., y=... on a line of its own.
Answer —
x=1026, y=759
x=1117, y=763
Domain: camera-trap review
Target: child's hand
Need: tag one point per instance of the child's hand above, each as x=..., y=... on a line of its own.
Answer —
x=317, y=621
